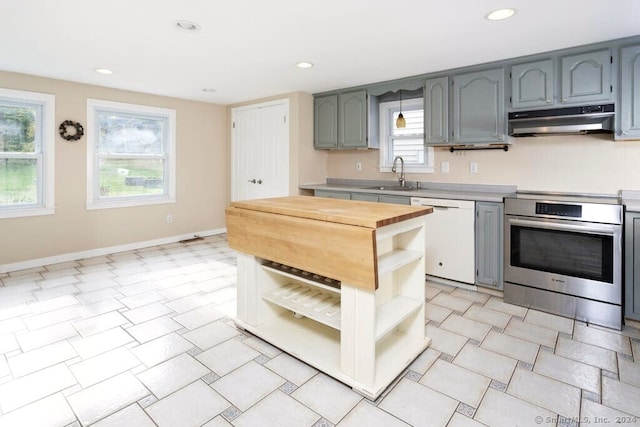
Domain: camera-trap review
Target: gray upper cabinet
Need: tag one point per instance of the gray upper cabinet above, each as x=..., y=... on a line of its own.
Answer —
x=436, y=111
x=478, y=107
x=489, y=244
x=341, y=120
x=586, y=77
x=629, y=108
x=532, y=84
x=325, y=130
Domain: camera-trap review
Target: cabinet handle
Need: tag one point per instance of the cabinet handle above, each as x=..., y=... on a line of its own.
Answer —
x=564, y=99
x=624, y=132
x=548, y=101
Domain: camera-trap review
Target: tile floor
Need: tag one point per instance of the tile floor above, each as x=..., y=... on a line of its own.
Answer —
x=145, y=338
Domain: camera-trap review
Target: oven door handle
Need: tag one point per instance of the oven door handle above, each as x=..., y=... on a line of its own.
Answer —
x=589, y=229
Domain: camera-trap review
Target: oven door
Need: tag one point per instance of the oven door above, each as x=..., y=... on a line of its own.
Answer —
x=570, y=257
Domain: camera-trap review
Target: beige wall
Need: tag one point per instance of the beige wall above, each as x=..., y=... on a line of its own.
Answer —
x=585, y=164
x=201, y=185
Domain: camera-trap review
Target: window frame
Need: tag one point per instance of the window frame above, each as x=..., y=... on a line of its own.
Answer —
x=44, y=153
x=386, y=150
x=94, y=201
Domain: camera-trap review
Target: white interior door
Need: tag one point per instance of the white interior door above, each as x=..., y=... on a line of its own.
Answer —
x=260, y=150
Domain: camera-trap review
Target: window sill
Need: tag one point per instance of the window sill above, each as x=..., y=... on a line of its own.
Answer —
x=112, y=204
x=25, y=212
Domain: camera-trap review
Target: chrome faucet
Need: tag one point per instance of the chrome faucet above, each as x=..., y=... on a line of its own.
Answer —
x=393, y=169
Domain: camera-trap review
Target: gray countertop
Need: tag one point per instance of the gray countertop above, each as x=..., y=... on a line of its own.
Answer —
x=482, y=193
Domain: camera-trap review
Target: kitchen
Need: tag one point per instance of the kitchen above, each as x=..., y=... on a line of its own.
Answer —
x=599, y=165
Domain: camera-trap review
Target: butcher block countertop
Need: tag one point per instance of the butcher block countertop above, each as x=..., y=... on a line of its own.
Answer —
x=348, y=212
x=330, y=237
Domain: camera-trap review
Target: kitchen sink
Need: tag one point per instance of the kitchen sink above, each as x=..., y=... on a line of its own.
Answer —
x=390, y=188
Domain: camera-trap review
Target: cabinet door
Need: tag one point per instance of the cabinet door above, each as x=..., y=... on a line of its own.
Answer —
x=364, y=197
x=436, y=111
x=352, y=119
x=478, y=107
x=629, y=110
x=632, y=265
x=586, y=77
x=325, y=121
x=489, y=244
x=332, y=194
x=532, y=84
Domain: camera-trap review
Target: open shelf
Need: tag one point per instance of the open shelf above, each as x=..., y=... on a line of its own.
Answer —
x=308, y=301
x=326, y=283
x=392, y=313
x=395, y=259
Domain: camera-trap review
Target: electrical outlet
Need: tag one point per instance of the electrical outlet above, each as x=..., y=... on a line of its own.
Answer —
x=358, y=166
x=169, y=218
x=444, y=167
x=473, y=167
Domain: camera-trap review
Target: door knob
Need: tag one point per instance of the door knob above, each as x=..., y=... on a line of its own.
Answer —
x=259, y=181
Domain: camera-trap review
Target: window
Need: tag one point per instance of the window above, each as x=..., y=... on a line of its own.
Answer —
x=407, y=142
x=130, y=155
x=27, y=155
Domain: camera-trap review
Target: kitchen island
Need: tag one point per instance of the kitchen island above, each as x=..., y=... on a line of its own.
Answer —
x=338, y=284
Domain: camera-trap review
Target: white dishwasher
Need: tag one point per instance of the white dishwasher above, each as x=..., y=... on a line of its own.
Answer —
x=450, y=236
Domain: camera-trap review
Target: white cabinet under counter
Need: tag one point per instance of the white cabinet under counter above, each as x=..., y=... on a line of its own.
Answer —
x=338, y=284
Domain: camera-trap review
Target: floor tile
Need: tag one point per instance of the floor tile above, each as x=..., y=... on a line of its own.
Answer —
x=504, y=410
x=103, y=366
x=14, y=311
x=42, y=357
x=569, y=371
x=456, y=382
x=436, y=313
x=474, y=296
x=262, y=346
x=601, y=338
x=46, y=294
x=466, y=327
x=490, y=317
x=152, y=329
x=211, y=334
x=277, y=410
x=513, y=347
x=498, y=304
x=586, y=353
x=139, y=300
x=51, y=317
x=485, y=362
x=191, y=406
x=35, y=386
x=367, y=414
x=629, y=371
x=188, y=303
x=98, y=401
x=451, y=302
x=132, y=415
x=445, y=341
x=595, y=414
x=101, y=342
x=534, y=333
x=459, y=420
x=327, y=397
x=227, y=356
x=430, y=292
x=218, y=421
x=8, y=343
x=169, y=376
x=418, y=405
x=291, y=368
x=161, y=349
x=52, y=411
x=636, y=351
x=44, y=336
x=198, y=317
x=100, y=323
x=99, y=295
x=147, y=312
x=550, y=321
x=424, y=360
x=621, y=396
x=233, y=386
x=98, y=308
x=545, y=392
x=53, y=304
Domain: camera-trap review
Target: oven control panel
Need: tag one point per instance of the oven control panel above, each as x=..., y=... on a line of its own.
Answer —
x=559, y=209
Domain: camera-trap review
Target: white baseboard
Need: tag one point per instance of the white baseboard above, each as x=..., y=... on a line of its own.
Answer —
x=74, y=256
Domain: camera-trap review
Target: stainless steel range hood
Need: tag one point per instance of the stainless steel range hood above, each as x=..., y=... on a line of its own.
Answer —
x=562, y=121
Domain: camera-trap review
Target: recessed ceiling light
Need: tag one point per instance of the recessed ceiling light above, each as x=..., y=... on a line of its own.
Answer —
x=208, y=89
x=304, y=65
x=103, y=71
x=500, y=14
x=187, y=25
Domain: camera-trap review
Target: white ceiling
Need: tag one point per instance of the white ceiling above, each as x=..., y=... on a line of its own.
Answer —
x=247, y=49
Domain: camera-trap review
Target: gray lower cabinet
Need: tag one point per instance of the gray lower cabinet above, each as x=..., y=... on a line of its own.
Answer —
x=478, y=107
x=586, y=77
x=632, y=265
x=332, y=194
x=532, y=84
x=489, y=244
x=629, y=107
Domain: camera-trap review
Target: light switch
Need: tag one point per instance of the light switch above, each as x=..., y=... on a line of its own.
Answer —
x=473, y=167
x=444, y=167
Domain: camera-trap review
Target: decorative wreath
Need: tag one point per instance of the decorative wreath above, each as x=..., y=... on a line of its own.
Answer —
x=74, y=135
